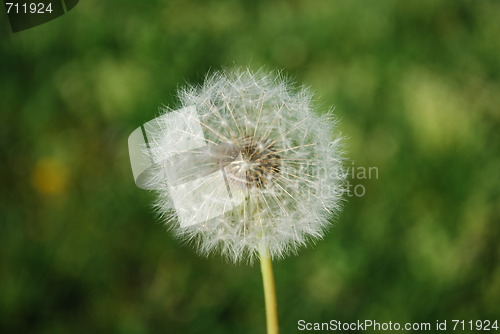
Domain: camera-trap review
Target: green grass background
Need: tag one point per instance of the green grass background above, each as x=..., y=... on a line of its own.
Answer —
x=416, y=85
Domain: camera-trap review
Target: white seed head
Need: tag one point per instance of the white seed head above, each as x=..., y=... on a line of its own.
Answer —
x=255, y=166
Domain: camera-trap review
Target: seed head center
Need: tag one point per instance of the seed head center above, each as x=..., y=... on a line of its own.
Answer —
x=255, y=163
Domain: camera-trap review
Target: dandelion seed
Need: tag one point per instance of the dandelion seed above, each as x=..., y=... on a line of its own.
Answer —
x=245, y=164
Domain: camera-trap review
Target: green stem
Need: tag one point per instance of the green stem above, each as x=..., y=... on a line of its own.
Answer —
x=266, y=266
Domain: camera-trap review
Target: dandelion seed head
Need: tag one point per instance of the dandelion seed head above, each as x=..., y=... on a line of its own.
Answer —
x=255, y=139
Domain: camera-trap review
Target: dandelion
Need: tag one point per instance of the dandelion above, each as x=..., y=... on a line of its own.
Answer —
x=244, y=168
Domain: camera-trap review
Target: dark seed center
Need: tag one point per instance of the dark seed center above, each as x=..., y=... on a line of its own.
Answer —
x=256, y=162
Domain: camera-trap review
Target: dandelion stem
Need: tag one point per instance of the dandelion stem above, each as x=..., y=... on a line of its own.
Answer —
x=266, y=266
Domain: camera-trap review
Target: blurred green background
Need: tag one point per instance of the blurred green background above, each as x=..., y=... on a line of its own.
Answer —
x=415, y=84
